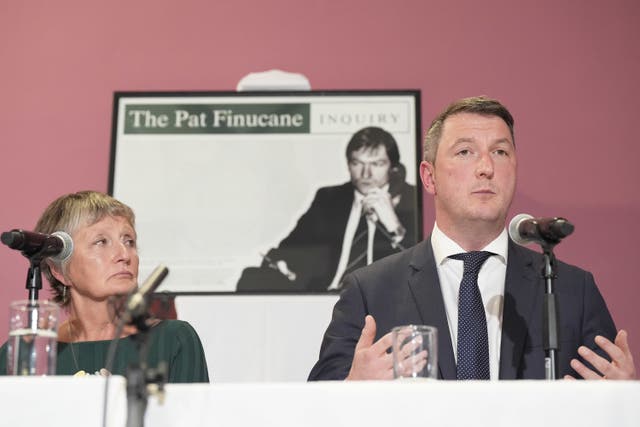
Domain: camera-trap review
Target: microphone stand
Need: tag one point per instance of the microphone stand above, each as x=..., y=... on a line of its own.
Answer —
x=550, y=314
x=548, y=232
x=34, y=279
x=550, y=309
x=142, y=380
x=33, y=286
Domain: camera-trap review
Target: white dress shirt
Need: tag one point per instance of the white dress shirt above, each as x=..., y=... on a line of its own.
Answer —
x=349, y=234
x=490, y=281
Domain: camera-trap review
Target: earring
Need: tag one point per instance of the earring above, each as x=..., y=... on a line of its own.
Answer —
x=64, y=294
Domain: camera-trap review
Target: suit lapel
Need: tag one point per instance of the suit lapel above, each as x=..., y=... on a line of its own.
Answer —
x=341, y=203
x=519, y=300
x=425, y=288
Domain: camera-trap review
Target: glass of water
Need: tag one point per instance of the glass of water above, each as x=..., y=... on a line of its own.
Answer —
x=415, y=352
x=32, y=345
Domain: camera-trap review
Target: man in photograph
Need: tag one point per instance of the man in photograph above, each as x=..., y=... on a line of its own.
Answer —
x=347, y=226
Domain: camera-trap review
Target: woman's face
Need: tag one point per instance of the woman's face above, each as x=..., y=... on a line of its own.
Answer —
x=104, y=260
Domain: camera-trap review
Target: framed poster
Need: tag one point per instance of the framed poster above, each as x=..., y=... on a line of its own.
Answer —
x=256, y=192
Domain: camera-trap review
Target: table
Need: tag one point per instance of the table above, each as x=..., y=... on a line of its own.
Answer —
x=69, y=402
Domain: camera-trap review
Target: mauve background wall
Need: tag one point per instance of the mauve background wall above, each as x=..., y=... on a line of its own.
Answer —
x=568, y=70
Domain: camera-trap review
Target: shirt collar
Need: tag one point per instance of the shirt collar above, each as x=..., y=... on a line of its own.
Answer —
x=443, y=246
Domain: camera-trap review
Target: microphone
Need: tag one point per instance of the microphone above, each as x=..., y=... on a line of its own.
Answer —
x=136, y=305
x=57, y=246
x=525, y=229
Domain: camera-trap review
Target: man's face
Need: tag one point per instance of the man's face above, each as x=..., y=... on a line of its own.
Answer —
x=369, y=168
x=474, y=175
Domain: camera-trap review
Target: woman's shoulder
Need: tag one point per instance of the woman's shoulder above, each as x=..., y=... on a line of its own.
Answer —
x=175, y=327
x=177, y=336
x=185, y=352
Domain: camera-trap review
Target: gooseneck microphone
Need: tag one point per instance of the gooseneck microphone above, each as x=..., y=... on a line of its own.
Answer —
x=525, y=229
x=57, y=246
x=138, y=301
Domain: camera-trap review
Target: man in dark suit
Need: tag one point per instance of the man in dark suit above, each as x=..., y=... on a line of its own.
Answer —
x=470, y=169
x=347, y=226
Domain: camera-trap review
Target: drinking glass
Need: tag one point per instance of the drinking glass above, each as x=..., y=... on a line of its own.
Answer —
x=32, y=345
x=415, y=352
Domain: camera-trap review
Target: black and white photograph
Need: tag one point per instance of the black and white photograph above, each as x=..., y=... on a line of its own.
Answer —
x=268, y=192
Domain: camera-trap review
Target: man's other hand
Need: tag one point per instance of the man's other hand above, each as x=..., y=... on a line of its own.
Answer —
x=621, y=366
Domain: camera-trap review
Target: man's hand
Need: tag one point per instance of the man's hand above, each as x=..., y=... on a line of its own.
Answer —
x=621, y=366
x=371, y=360
x=379, y=201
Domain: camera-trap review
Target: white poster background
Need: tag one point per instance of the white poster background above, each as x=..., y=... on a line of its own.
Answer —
x=208, y=205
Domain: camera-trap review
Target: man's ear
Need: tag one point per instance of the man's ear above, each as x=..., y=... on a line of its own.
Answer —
x=56, y=271
x=427, y=174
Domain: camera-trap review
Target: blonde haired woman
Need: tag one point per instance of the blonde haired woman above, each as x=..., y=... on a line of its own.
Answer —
x=104, y=263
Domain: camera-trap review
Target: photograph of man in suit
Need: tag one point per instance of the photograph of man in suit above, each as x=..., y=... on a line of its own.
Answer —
x=347, y=226
x=470, y=169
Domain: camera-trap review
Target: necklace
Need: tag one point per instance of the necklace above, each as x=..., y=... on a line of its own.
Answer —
x=80, y=372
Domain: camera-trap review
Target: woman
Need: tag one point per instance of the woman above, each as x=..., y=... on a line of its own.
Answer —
x=104, y=263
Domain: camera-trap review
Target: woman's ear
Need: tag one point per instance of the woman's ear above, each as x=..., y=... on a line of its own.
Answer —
x=56, y=272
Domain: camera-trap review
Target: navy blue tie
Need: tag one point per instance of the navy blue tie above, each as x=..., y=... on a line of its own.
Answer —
x=473, y=341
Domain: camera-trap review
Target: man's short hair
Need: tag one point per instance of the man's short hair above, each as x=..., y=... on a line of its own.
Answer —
x=477, y=105
x=373, y=137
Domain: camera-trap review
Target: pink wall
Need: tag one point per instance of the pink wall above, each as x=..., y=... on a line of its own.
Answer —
x=567, y=69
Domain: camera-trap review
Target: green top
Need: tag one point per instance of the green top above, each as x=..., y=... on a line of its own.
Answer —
x=173, y=341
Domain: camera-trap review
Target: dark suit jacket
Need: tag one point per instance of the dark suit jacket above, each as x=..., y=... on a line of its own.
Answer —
x=312, y=250
x=405, y=289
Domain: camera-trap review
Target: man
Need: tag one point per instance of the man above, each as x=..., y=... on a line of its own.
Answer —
x=347, y=226
x=470, y=169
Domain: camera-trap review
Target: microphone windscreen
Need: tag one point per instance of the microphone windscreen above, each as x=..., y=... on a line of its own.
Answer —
x=67, y=246
x=514, y=231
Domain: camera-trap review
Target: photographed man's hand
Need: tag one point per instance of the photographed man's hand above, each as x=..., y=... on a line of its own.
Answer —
x=380, y=203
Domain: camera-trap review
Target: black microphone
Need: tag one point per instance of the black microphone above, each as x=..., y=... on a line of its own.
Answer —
x=525, y=229
x=137, y=303
x=57, y=246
